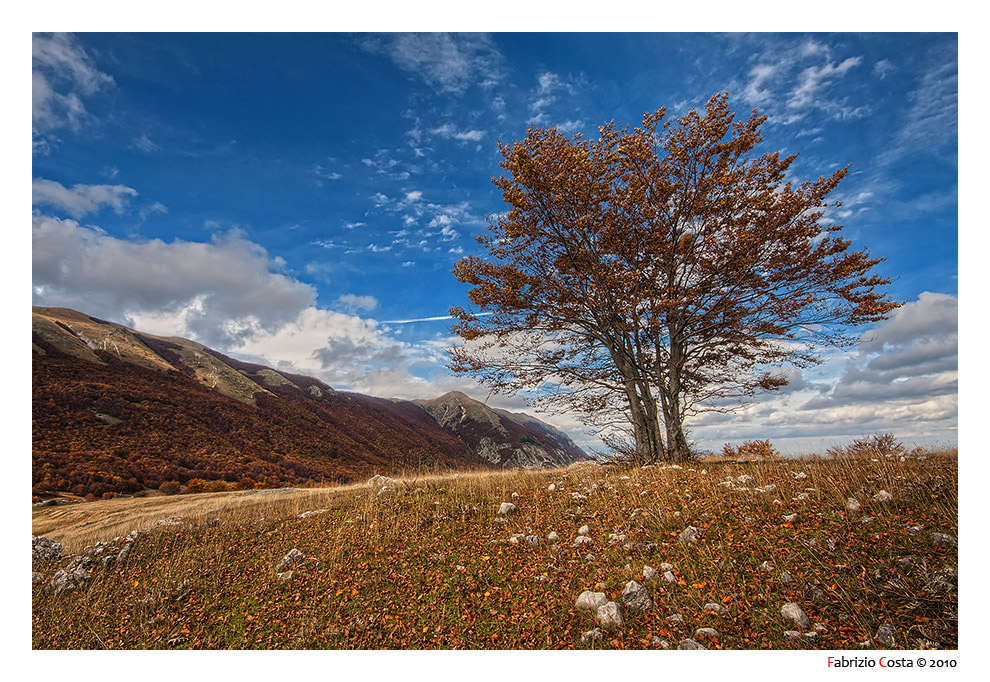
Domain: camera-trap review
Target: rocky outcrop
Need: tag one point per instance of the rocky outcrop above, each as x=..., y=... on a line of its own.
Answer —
x=503, y=438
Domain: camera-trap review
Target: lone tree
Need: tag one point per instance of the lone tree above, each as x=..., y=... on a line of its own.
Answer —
x=658, y=273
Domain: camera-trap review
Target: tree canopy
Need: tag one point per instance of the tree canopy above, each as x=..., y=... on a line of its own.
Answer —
x=658, y=273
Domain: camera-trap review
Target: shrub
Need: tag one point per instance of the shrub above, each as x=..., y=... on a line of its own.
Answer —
x=245, y=483
x=196, y=485
x=109, y=496
x=877, y=445
x=751, y=448
x=170, y=487
x=219, y=486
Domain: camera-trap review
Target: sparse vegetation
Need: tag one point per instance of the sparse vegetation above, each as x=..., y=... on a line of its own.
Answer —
x=427, y=564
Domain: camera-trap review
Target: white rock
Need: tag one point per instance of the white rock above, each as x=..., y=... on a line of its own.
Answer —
x=649, y=574
x=670, y=577
x=882, y=496
x=716, y=608
x=791, y=518
x=636, y=598
x=590, y=600
x=532, y=540
x=666, y=567
x=582, y=540
x=689, y=536
x=584, y=530
x=794, y=613
x=852, y=505
x=552, y=488
x=689, y=644
x=706, y=632
x=592, y=635
x=552, y=536
x=506, y=508
x=609, y=615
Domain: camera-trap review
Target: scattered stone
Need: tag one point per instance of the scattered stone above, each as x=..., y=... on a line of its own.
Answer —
x=791, y=518
x=794, y=613
x=582, y=540
x=601, y=586
x=589, y=557
x=592, y=635
x=792, y=636
x=745, y=479
x=307, y=514
x=501, y=519
x=689, y=536
x=636, y=598
x=716, y=608
x=676, y=618
x=609, y=615
x=284, y=576
x=591, y=601
x=670, y=577
x=37, y=577
x=660, y=643
x=378, y=481
x=552, y=536
x=866, y=519
x=689, y=644
x=294, y=556
x=711, y=633
x=766, y=566
x=852, y=505
x=514, y=496
x=72, y=576
x=666, y=567
x=532, y=541
x=506, y=508
x=882, y=496
x=584, y=530
x=649, y=574
x=552, y=488
x=800, y=476
x=943, y=539
x=886, y=637
x=43, y=549
x=786, y=578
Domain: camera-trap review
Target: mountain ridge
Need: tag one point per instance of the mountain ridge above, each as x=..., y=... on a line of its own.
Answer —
x=117, y=410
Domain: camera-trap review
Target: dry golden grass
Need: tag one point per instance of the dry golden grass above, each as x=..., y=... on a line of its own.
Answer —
x=430, y=564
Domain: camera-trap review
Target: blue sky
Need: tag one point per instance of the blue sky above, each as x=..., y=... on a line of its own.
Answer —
x=300, y=199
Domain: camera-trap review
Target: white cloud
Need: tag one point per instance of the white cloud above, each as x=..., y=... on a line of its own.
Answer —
x=81, y=199
x=449, y=131
x=62, y=76
x=789, y=81
x=448, y=62
x=352, y=303
x=193, y=288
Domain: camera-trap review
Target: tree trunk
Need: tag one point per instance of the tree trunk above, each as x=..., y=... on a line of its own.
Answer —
x=646, y=425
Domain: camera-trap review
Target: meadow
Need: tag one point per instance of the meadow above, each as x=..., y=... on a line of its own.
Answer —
x=429, y=562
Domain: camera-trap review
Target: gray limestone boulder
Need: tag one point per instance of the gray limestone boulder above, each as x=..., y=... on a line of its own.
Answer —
x=591, y=601
x=636, y=598
x=609, y=615
x=794, y=613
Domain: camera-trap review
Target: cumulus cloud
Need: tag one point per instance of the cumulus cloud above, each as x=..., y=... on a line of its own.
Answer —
x=215, y=292
x=79, y=200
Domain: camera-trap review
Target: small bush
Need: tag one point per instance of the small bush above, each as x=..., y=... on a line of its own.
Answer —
x=871, y=447
x=196, y=485
x=170, y=487
x=751, y=448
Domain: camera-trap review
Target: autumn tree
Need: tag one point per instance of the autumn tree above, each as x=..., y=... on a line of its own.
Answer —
x=658, y=273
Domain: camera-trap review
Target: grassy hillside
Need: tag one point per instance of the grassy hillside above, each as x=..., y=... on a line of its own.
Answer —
x=430, y=563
